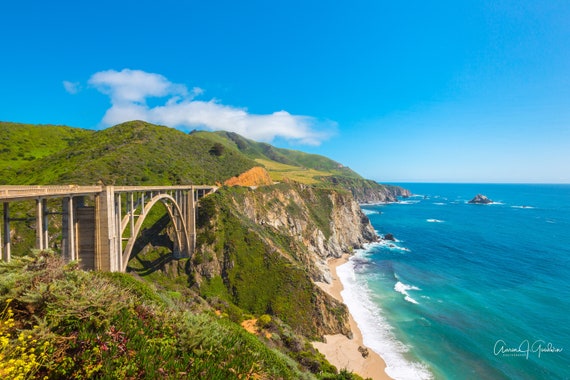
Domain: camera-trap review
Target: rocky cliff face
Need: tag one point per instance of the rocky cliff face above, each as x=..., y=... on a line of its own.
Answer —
x=367, y=191
x=327, y=223
x=378, y=193
x=265, y=248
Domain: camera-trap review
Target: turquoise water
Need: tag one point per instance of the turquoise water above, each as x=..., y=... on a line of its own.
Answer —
x=467, y=291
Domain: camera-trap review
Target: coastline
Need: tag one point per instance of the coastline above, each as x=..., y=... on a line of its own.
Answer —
x=341, y=351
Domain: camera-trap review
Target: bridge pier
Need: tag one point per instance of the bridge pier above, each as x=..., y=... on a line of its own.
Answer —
x=6, y=242
x=68, y=245
x=190, y=210
x=107, y=241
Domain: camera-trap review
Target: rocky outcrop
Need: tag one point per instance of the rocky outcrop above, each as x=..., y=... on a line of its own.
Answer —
x=367, y=191
x=480, y=199
x=257, y=176
x=380, y=194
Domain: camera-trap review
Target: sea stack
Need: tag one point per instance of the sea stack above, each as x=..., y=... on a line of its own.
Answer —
x=480, y=199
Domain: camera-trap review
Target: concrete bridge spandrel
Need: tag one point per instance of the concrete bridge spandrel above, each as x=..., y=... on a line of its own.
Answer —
x=100, y=224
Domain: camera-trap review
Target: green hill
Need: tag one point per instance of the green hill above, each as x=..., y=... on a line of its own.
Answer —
x=283, y=163
x=21, y=144
x=132, y=153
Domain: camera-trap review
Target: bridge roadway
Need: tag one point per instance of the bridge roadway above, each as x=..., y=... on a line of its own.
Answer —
x=100, y=224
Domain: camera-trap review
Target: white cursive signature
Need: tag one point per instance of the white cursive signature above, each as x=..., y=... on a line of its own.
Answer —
x=525, y=348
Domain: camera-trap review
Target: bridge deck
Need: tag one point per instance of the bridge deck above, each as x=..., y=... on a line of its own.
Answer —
x=14, y=193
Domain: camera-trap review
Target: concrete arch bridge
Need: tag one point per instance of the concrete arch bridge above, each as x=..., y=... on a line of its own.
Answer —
x=100, y=224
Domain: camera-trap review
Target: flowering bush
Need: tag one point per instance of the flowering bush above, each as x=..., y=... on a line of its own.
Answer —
x=21, y=355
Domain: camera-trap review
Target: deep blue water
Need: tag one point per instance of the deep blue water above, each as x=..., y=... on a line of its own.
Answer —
x=468, y=291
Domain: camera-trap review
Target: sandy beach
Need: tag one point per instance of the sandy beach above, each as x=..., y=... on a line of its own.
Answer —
x=343, y=352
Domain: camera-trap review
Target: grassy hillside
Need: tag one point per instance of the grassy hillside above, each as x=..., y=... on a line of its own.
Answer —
x=290, y=165
x=283, y=163
x=132, y=153
x=21, y=144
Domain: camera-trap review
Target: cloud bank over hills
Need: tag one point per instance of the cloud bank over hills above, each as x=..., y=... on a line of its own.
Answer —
x=129, y=90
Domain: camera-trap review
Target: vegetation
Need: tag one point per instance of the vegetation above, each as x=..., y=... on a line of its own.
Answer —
x=132, y=153
x=61, y=322
x=21, y=144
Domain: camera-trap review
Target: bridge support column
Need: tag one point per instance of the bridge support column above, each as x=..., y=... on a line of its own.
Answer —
x=107, y=243
x=68, y=244
x=191, y=220
x=42, y=237
x=39, y=225
x=6, y=242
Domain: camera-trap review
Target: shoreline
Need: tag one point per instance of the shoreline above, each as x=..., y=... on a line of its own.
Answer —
x=341, y=351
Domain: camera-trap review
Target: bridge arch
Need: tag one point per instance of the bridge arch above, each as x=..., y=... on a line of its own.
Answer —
x=93, y=233
x=182, y=241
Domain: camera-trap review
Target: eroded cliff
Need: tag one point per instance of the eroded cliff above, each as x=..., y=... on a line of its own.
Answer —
x=263, y=250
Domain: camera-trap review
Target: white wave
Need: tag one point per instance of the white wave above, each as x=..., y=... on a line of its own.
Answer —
x=369, y=212
x=390, y=244
x=408, y=202
x=439, y=204
x=395, y=247
x=376, y=331
x=402, y=288
x=435, y=221
x=522, y=207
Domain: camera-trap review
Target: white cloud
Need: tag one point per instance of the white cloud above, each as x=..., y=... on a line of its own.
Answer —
x=129, y=89
x=71, y=87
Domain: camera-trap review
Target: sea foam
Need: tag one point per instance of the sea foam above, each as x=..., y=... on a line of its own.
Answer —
x=402, y=288
x=376, y=331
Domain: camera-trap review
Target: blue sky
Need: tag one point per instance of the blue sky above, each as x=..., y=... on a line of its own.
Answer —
x=453, y=91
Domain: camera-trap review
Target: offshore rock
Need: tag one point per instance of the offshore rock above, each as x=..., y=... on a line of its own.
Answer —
x=480, y=199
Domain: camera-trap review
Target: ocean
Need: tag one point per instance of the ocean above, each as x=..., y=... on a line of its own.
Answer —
x=467, y=291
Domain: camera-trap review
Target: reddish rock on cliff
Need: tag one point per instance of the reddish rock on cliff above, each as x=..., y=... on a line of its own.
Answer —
x=257, y=176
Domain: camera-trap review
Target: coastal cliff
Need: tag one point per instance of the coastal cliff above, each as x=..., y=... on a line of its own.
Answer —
x=263, y=250
x=366, y=191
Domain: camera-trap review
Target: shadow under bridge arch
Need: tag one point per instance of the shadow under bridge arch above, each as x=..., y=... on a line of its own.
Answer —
x=183, y=242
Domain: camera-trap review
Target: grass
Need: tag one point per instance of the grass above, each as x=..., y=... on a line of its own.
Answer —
x=281, y=172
